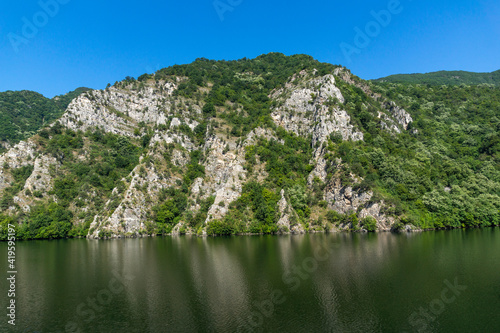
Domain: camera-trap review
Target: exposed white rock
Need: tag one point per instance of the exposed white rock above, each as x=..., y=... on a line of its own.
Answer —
x=396, y=119
x=260, y=132
x=288, y=219
x=142, y=193
x=118, y=110
x=303, y=110
x=384, y=222
x=399, y=114
x=169, y=137
x=40, y=180
x=307, y=105
x=175, y=122
x=22, y=154
x=320, y=165
x=388, y=124
x=343, y=199
x=224, y=175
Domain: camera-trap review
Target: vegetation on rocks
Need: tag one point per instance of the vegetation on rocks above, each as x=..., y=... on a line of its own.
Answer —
x=202, y=148
x=23, y=113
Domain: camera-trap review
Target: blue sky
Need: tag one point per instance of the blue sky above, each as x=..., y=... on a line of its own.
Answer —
x=90, y=43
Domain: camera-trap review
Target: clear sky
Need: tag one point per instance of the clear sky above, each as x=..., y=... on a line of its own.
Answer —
x=54, y=49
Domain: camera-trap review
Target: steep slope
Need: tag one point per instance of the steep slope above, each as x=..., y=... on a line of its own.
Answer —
x=272, y=144
x=63, y=100
x=23, y=113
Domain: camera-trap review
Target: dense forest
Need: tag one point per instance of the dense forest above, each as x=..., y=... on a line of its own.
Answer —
x=445, y=78
x=443, y=171
x=23, y=113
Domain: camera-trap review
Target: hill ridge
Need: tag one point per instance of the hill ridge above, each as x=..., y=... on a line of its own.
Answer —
x=275, y=144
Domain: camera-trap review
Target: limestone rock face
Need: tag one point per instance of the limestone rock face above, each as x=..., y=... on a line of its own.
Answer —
x=374, y=210
x=40, y=178
x=260, y=133
x=130, y=215
x=343, y=199
x=39, y=181
x=22, y=154
x=118, y=110
x=224, y=175
x=303, y=110
x=172, y=138
x=308, y=105
x=399, y=114
x=175, y=122
x=394, y=118
x=288, y=218
x=18, y=156
x=142, y=192
x=320, y=165
x=313, y=106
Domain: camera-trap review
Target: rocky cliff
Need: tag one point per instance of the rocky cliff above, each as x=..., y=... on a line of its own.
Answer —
x=180, y=138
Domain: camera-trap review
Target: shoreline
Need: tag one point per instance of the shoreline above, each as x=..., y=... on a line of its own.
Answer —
x=406, y=231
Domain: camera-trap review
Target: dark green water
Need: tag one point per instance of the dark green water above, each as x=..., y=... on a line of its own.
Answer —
x=345, y=283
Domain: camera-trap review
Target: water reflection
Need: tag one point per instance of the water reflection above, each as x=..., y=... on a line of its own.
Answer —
x=328, y=283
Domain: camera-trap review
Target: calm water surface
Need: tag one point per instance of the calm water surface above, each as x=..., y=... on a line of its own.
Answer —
x=445, y=281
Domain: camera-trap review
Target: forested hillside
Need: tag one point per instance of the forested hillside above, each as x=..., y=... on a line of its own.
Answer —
x=23, y=113
x=274, y=144
x=445, y=78
x=445, y=170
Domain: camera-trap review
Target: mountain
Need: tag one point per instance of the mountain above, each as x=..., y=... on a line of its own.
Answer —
x=274, y=144
x=23, y=113
x=445, y=78
x=63, y=100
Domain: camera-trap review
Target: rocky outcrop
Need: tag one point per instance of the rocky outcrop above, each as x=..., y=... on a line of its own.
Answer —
x=313, y=106
x=374, y=209
x=320, y=165
x=303, y=109
x=260, y=132
x=394, y=118
x=224, y=174
x=399, y=114
x=18, y=156
x=116, y=110
x=40, y=179
x=22, y=154
x=146, y=182
x=343, y=199
x=308, y=105
x=288, y=219
x=38, y=184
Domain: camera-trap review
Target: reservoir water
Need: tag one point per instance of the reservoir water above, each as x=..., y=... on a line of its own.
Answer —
x=443, y=281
